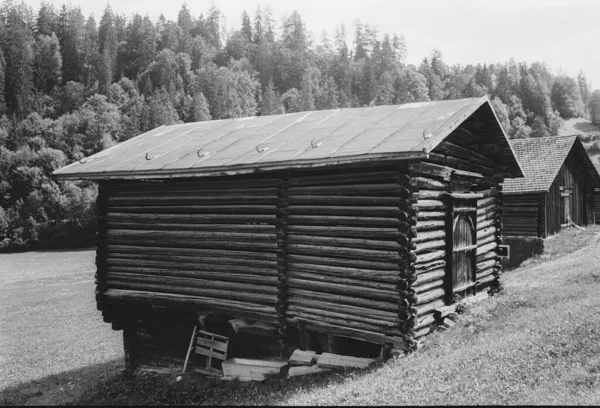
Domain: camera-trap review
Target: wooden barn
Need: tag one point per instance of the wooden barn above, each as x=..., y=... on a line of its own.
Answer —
x=342, y=230
x=558, y=189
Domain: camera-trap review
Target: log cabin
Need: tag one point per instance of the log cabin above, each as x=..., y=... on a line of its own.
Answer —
x=557, y=190
x=347, y=229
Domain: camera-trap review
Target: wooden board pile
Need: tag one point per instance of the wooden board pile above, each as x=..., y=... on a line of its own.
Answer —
x=308, y=362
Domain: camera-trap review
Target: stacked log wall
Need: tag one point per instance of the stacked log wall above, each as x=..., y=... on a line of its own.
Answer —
x=523, y=215
x=349, y=258
x=204, y=245
x=459, y=164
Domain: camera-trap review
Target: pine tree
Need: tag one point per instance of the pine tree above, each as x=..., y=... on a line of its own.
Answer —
x=246, y=26
x=270, y=103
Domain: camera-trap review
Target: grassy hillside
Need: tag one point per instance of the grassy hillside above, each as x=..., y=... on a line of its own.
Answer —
x=589, y=135
x=537, y=343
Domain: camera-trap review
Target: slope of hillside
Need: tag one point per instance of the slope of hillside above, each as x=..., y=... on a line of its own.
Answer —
x=589, y=135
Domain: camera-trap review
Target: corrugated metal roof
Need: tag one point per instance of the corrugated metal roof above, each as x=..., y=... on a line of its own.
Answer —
x=541, y=159
x=303, y=139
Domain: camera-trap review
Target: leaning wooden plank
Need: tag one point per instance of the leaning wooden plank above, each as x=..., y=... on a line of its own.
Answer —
x=328, y=360
x=303, y=357
x=306, y=370
x=243, y=368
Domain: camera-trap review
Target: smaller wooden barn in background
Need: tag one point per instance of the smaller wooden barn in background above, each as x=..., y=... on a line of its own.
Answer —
x=558, y=189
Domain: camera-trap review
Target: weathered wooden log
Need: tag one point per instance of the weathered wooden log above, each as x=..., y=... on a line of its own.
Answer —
x=430, y=266
x=423, y=332
x=344, y=308
x=166, y=199
x=223, y=276
x=216, y=294
x=424, y=320
x=429, y=215
x=487, y=264
x=390, y=233
x=243, y=182
x=483, y=273
x=342, y=262
x=428, y=184
x=346, y=290
x=356, y=283
x=492, y=215
x=343, y=252
x=344, y=242
x=144, y=251
x=387, y=189
x=428, y=225
x=194, y=218
x=429, y=236
x=432, y=275
x=429, y=307
x=159, y=226
x=347, y=176
x=466, y=154
x=211, y=191
x=190, y=262
x=345, y=221
x=431, y=170
x=429, y=257
x=429, y=296
x=343, y=300
x=191, y=302
x=201, y=267
x=429, y=245
x=486, y=280
x=484, y=202
x=420, y=289
x=431, y=204
x=342, y=318
x=348, y=210
x=217, y=210
x=176, y=282
x=484, y=233
x=347, y=200
x=486, y=240
x=486, y=248
x=430, y=194
x=486, y=224
x=195, y=243
x=487, y=256
x=490, y=208
x=372, y=337
x=345, y=272
x=208, y=235
x=460, y=164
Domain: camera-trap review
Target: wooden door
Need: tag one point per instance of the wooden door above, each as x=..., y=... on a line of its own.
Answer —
x=461, y=279
x=565, y=210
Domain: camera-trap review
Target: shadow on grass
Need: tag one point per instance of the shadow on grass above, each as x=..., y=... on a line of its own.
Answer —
x=144, y=388
x=65, y=388
x=109, y=384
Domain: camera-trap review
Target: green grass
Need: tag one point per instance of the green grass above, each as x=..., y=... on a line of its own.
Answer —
x=49, y=325
x=536, y=343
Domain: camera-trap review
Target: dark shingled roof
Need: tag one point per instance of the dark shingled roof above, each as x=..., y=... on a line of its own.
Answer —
x=541, y=159
x=295, y=140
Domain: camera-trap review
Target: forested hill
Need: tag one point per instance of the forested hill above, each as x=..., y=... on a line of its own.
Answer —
x=71, y=86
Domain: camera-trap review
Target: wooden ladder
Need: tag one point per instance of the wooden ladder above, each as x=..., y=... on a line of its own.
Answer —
x=209, y=345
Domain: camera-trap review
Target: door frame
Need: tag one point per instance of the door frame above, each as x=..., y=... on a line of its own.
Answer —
x=457, y=205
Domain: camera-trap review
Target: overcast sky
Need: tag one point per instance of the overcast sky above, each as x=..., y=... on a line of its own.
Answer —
x=565, y=34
